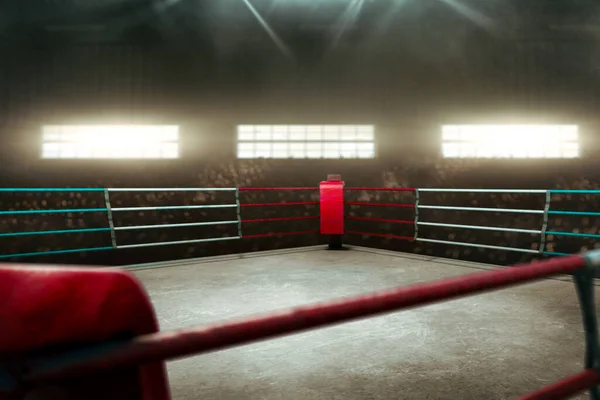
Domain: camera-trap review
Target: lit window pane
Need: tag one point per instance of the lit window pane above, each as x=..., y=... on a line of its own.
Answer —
x=263, y=133
x=280, y=154
x=297, y=150
x=245, y=154
x=170, y=134
x=170, y=150
x=51, y=147
x=451, y=150
x=348, y=133
x=553, y=151
x=519, y=151
x=331, y=132
x=314, y=150
x=307, y=141
x=246, y=147
x=365, y=132
x=83, y=152
x=152, y=152
x=570, y=133
x=570, y=154
x=331, y=150
x=571, y=146
x=468, y=150
x=50, y=150
x=365, y=150
x=297, y=133
x=246, y=150
x=263, y=150
x=502, y=150
x=571, y=151
x=485, y=151
x=246, y=132
x=280, y=150
x=110, y=141
x=51, y=133
x=280, y=132
x=67, y=150
x=450, y=132
x=502, y=141
x=348, y=150
x=314, y=133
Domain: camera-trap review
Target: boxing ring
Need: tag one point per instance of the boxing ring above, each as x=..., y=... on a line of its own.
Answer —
x=106, y=342
x=413, y=220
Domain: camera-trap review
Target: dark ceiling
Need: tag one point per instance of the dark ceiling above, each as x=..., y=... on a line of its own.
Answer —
x=153, y=21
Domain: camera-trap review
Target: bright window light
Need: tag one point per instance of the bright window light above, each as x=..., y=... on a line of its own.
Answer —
x=510, y=141
x=110, y=141
x=306, y=141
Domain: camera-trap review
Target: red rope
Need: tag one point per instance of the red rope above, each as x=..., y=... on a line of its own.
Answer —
x=395, y=221
x=263, y=235
x=171, y=345
x=271, y=189
x=297, y=203
x=567, y=387
x=385, y=235
x=277, y=219
x=366, y=203
x=384, y=189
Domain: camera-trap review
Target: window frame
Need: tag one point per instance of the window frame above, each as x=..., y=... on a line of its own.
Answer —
x=547, y=142
x=163, y=142
x=297, y=136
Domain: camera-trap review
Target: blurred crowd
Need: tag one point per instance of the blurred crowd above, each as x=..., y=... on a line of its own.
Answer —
x=265, y=215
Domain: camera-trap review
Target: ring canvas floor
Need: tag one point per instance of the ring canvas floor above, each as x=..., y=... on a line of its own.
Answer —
x=498, y=345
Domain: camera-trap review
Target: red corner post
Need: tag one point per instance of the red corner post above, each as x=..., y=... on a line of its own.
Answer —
x=332, y=210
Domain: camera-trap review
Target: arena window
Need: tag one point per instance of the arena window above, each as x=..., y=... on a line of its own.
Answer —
x=110, y=141
x=306, y=141
x=510, y=141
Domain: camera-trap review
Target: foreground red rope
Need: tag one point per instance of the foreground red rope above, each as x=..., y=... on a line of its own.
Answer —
x=278, y=219
x=366, y=203
x=566, y=387
x=297, y=203
x=176, y=344
x=383, y=235
x=395, y=221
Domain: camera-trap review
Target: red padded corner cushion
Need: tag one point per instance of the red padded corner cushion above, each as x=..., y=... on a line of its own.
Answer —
x=332, y=207
x=48, y=306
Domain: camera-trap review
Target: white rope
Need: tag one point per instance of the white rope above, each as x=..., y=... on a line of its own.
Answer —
x=131, y=228
x=483, y=228
x=173, y=207
x=133, y=246
x=483, y=246
x=171, y=189
x=530, y=191
x=501, y=210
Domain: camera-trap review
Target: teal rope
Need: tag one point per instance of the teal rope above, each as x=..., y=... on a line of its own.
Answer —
x=64, y=211
x=58, y=232
x=40, y=253
x=567, y=191
x=51, y=190
x=554, y=253
x=573, y=234
x=582, y=213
